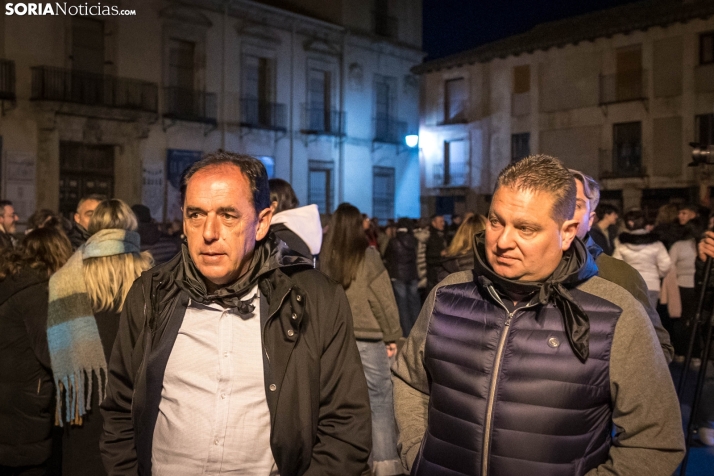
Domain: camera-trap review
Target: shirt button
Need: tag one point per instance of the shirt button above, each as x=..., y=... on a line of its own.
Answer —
x=272, y=387
x=215, y=442
x=298, y=298
x=223, y=396
x=225, y=354
x=294, y=316
x=290, y=333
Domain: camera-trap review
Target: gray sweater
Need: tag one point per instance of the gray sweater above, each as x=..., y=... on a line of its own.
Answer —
x=648, y=437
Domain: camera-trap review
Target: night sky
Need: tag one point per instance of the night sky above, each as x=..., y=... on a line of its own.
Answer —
x=450, y=26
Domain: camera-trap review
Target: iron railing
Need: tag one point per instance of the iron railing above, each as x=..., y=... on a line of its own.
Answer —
x=623, y=86
x=65, y=85
x=453, y=174
x=389, y=130
x=258, y=114
x=189, y=105
x=321, y=121
x=7, y=80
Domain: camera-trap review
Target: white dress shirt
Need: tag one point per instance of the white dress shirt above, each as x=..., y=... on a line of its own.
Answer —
x=213, y=416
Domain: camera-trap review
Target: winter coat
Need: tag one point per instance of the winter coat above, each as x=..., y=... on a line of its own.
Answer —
x=602, y=240
x=422, y=236
x=683, y=255
x=401, y=257
x=644, y=252
x=618, y=272
x=300, y=229
x=434, y=246
x=371, y=297
x=77, y=235
x=483, y=389
x=26, y=384
x=454, y=264
x=314, y=382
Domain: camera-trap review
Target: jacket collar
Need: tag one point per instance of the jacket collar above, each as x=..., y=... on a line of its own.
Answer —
x=576, y=266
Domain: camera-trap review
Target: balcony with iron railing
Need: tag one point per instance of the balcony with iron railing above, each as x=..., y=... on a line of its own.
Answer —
x=322, y=121
x=90, y=89
x=623, y=163
x=389, y=130
x=7, y=80
x=385, y=25
x=453, y=174
x=258, y=114
x=182, y=104
x=623, y=86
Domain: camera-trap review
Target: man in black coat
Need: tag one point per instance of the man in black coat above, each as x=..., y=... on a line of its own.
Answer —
x=231, y=357
x=434, y=250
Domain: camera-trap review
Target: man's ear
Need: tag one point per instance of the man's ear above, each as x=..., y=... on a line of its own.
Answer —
x=567, y=233
x=592, y=219
x=263, y=223
x=76, y=217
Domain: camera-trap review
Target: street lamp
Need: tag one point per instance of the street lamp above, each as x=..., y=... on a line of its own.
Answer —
x=412, y=140
x=701, y=154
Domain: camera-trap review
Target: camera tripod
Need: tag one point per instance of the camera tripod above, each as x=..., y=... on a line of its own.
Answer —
x=701, y=376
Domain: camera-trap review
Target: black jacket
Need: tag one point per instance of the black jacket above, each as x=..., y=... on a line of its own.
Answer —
x=454, y=264
x=401, y=256
x=319, y=406
x=162, y=247
x=77, y=235
x=26, y=388
x=434, y=246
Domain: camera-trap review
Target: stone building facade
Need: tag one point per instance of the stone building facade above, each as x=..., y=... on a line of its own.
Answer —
x=321, y=91
x=618, y=94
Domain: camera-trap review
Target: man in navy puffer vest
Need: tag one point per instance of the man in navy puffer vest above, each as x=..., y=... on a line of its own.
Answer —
x=531, y=364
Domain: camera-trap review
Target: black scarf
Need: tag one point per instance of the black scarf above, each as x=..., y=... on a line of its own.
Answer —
x=575, y=267
x=189, y=278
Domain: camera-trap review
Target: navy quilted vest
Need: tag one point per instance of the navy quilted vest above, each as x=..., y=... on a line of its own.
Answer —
x=551, y=414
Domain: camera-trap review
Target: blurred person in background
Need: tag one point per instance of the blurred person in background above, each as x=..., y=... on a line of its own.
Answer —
x=348, y=259
x=435, y=247
x=86, y=297
x=644, y=252
x=26, y=387
x=459, y=255
x=611, y=269
x=370, y=231
x=8, y=218
x=666, y=226
x=85, y=208
x=603, y=232
x=298, y=227
x=401, y=259
x=683, y=255
x=162, y=246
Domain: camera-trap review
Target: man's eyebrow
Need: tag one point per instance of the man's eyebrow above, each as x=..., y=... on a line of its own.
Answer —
x=228, y=210
x=519, y=222
x=190, y=210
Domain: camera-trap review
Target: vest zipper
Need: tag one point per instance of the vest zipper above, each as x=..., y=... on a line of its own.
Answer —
x=494, y=378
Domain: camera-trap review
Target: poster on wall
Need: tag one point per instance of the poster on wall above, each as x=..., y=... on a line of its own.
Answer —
x=152, y=190
x=177, y=161
x=19, y=182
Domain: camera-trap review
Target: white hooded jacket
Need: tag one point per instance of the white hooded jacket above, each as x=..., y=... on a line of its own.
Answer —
x=305, y=223
x=646, y=254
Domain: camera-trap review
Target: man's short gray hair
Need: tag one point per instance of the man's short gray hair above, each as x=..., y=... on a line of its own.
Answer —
x=543, y=173
x=590, y=187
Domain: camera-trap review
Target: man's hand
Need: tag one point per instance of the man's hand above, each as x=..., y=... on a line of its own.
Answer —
x=391, y=349
x=706, y=246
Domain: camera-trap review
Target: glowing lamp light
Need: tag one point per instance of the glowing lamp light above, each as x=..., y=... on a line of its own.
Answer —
x=411, y=140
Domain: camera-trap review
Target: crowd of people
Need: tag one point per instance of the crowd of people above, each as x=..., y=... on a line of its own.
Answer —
x=260, y=337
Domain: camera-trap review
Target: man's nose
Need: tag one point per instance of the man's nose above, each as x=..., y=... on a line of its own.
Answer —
x=506, y=238
x=210, y=228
